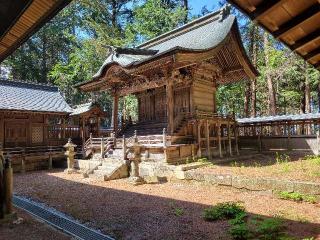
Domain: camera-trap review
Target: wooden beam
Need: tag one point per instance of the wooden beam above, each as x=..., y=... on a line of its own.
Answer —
x=312, y=53
x=305, y=40
x=115, y=113
x=199, y=138
x=170, y=105
x=141, y=87
x=229, y=139
x=208, y=140
x=264, y=8
x=287, y=26
x=219, y=139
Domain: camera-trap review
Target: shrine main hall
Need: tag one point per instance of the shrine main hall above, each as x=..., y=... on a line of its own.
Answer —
x=175, y=77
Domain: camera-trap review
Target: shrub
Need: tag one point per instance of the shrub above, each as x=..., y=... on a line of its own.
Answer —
x=298, y=197
x=240, y=231
x=178, y=212
x=226, y=210
x=270, y=228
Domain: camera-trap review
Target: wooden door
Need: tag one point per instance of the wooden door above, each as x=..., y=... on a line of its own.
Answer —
x=15, y=134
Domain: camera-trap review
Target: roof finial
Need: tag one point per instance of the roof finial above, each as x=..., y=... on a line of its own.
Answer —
x=224, y=12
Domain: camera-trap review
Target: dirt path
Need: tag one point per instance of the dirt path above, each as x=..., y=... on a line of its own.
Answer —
x=149, y=211
x=28, y=228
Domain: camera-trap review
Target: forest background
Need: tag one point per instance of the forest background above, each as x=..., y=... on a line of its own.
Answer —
x=72, y=46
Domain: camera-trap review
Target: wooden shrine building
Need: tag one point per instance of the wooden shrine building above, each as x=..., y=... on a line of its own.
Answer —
x=174, y=77
x=88, y=117
x=31, y=115
x=298, y=132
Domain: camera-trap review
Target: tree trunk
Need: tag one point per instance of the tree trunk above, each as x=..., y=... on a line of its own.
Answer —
x=272, y=109
x=307, y=93
x=44, y=69
x=186, y=7
x=319, y=96
x=253, y=53
x=114, y=13
x=247, y=99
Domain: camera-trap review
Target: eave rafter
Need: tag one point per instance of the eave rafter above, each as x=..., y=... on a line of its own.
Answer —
x=297, y=20
x=305, y=40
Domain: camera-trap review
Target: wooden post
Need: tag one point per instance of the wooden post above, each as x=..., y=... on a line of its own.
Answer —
x=164, y=137
x=124, y=147
x=1, y=183
x=135, y=136
x=23, y=164
x=102, y=148
x=199, y=138
x=219, y=140
x=98, y=126
x=115, y=113
x=50, y=159
x=236, y=138
x=208, y=139
x=170, y=103
x=229, y=139
x=83, y=137
x=318, y=140
x=114, y=138
x=63, y=128
x=8, y=175
x=259, y=139
x=289, y=136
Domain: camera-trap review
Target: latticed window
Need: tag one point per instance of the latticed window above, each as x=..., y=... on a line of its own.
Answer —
x=37, y=134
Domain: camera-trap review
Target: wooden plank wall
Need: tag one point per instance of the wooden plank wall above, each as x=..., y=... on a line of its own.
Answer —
x=203, y=96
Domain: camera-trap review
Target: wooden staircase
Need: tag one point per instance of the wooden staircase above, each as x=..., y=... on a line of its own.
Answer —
x=145, y=128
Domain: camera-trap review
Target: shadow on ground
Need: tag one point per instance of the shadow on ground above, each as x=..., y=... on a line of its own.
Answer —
x=126, y=214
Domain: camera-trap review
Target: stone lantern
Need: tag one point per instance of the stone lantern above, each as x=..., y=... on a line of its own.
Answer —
x=70, y=153
x=135, y=178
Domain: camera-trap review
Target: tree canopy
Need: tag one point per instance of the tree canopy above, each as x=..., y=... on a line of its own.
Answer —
x=71, y=48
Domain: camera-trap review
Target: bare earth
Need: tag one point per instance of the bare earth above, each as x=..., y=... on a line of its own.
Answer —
x=148, y=211
x=29, y=229
x=295, y=167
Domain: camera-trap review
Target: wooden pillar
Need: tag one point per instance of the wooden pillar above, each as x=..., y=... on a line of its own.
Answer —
x=318, y=140
x=259, y=139
x=115, y=113
x=229, y=139
x=98, y=126
x=2, y=130
x=63, y=128
x=208, y=139
x=170, y=103
x=219, y=139
x=191, y=106
x=236, y=138
x=289, y=136
x=199, y=138
x=8, y=179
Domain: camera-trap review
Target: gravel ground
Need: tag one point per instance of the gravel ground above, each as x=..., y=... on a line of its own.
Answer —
x=28, y=228
x=294, y=167
x=148, y=211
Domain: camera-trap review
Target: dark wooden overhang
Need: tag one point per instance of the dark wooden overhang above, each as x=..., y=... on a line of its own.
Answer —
x=296, y=23
x=19, y=19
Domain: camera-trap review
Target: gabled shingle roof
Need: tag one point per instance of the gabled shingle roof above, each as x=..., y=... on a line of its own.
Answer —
x=279, y=118
x=201, y=34
x=25, y=96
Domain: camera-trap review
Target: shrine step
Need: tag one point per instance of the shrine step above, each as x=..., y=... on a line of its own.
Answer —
x=111, y=169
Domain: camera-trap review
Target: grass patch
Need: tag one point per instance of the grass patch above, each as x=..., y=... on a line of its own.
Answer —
x=227, y=210
x=178, y=212
x=242, y=226
x=297, y=197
